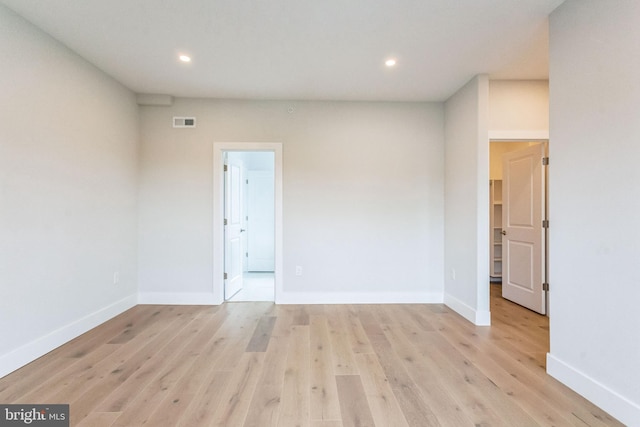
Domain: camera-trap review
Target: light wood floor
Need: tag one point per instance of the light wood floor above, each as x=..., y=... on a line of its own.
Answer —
x=257, y=364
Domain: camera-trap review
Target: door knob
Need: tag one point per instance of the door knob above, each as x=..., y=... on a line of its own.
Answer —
x=504, y=232
x=242, y=230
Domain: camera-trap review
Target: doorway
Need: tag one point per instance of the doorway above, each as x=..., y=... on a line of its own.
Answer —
x=249, y=227
x=518, y=226
x=247, y=221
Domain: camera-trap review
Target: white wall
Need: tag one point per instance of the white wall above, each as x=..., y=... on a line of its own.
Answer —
x=259, y=239
x=68, y=165
x=363, y=196
x=257, y=160
x=467, y=201
x=518, y=109
x=595, y=202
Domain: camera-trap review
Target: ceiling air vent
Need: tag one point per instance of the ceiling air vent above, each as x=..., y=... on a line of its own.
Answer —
x=184, y=122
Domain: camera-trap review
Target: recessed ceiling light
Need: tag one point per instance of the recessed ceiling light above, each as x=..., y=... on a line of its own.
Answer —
x=390, y=62
x=185, y=58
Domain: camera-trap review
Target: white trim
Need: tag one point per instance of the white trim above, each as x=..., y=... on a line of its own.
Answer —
x=40, y=346
x=177, y=298
x=360, y=298
x=609, y=400
x=218, y=212
x=512, y=135
x=478, y=318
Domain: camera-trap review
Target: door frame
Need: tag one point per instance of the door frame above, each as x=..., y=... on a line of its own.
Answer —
x=219, y=148
x=521, y=136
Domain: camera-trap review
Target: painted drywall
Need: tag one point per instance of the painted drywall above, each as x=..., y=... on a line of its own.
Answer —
x=467, y=201
x=518, y=108
x=363, y=196
x=68, y=183
x=595, y=201
x=257, y=160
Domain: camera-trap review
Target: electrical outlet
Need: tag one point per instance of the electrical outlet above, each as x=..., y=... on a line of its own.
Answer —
x=298, y=270
x=453, y=274
x=116, y=278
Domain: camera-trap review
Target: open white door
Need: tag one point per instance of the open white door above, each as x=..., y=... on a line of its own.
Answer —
x=233, y=228
x=523, y=240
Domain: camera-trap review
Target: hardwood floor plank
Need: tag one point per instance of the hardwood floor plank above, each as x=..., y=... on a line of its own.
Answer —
x=158, y=350
x=238, y=329
x=354, y=406
x=429, y=381
x=69, y=384
x=482, y=401
x=266, y=402
x=384, y=406
x=415, y=410
x=108, y=331
x=120, y=398
x=324, y=394
x=237, y=395
x=29, y=381
x=410, y=320
x=144, y=392
x=265, y=407
x=469, y=341
x=275, y=362
x=207, y=401
x=148, y=399
x=302, y=316
x=356, y=335
x=180, y=399
x=542, y=413
x=294, y=408
x=136, y=326
x=98, y=419
x=260, y=338
x=59, y=362
x=243, y=317
x=28, y=377
x=326, y=423
x=259, y=364
x=341, y=352
x=285, y=319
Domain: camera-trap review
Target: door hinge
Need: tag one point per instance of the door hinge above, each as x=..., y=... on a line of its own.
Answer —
x=545, y=286
x=226, y=168
x=225, y=276
x=545, y=223
x=225, y=221
x=545, y=161
x=246, y=254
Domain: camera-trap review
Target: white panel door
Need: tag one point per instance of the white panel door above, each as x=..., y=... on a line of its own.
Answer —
x=233, y=252
x=523, y=245
x=261, y=220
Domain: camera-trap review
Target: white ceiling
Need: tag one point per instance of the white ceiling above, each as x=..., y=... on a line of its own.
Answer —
x=301, y=49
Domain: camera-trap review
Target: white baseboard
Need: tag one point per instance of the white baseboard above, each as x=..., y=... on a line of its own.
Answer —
x=178, y=298
x=31, y=351
x=612, y=402
x=359, y=298
x=478, y=318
